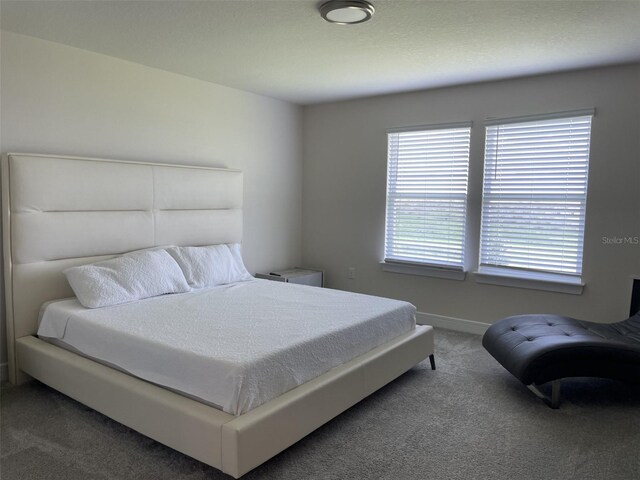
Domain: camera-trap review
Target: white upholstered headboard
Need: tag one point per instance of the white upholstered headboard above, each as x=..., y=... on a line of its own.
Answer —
x=64, y=211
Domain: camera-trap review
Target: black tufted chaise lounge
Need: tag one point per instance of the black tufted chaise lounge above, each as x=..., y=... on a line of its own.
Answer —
x=538, y=349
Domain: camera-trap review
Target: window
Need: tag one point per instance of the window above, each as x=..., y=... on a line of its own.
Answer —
x=427, y=196
x=534, y=197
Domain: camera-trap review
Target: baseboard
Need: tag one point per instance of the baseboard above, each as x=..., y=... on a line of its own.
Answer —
x=452, y=323
x=4, y=372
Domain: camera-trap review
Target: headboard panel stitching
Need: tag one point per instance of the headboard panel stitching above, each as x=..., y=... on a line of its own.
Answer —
x=154, y=215
x=82, y=211
x=36, y=212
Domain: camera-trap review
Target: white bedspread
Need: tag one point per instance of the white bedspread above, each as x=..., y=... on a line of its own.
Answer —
x=235, y=346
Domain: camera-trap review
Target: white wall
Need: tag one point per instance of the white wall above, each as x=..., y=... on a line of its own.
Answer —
x=344, y=179
x=62, y=100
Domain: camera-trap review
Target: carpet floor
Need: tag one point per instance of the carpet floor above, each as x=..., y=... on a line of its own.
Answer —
x=469, y=419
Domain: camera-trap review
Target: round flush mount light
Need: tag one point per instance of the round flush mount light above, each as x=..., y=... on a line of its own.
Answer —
x=346, y=12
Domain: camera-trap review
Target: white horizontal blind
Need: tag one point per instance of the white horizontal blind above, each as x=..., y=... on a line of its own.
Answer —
x=534, y=195
x=427, y=196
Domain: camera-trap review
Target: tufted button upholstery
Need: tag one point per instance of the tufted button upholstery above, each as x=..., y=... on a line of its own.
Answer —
x=541, y=348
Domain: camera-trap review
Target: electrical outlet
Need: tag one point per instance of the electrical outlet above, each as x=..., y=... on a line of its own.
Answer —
x=351, y=273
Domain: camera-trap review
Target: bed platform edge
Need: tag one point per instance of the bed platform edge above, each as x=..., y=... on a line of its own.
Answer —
x=233, y=444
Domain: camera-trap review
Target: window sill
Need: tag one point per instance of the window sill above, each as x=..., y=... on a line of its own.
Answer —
x=535, y=281
x=424, y=270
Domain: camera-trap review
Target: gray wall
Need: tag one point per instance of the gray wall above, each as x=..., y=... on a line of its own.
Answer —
x=62, y=100
x=344, y=179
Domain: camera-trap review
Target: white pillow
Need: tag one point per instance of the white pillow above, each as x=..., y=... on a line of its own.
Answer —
x=236, y=251
x=124, y=279
x=148, y=249
x=241, y=272
x=211, y=265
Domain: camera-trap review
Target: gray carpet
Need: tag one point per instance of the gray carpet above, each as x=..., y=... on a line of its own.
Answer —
x=469, y=419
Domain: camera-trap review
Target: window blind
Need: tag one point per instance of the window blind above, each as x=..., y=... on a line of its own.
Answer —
x=534, y=195
x=427, y=196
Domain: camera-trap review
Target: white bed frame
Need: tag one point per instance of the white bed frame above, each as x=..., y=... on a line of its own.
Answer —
x=64, y=211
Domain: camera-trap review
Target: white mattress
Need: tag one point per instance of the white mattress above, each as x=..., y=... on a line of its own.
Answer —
x=234, y=346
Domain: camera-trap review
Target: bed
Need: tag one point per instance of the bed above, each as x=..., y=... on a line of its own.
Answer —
x=60, y=212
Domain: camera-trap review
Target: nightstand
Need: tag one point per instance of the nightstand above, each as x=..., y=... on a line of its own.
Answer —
x=302, y=276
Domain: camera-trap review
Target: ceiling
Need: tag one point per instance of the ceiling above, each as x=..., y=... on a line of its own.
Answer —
x=284, y=49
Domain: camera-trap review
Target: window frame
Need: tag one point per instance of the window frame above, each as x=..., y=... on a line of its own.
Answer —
x=431, y=269
x=529, y=277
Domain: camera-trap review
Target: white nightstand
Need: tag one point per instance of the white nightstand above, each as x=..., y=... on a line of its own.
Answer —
x=302, y=276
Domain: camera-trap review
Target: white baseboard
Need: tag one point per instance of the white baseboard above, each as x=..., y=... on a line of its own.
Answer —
x=451, y=323
x=4, y=372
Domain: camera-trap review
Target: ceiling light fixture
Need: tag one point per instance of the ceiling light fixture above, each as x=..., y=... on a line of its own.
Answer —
x=346, y=12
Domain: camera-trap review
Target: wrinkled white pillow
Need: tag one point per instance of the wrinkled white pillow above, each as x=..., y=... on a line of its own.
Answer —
x=124, y=279
x=241, y=272
x=211, y=265
x=149, y=249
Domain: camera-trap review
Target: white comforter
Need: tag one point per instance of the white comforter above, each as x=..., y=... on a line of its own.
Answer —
x=235, y=346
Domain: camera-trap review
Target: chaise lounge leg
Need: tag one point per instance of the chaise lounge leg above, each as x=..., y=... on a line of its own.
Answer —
x=432, y=359
x=555, y=394
x=554, y=401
